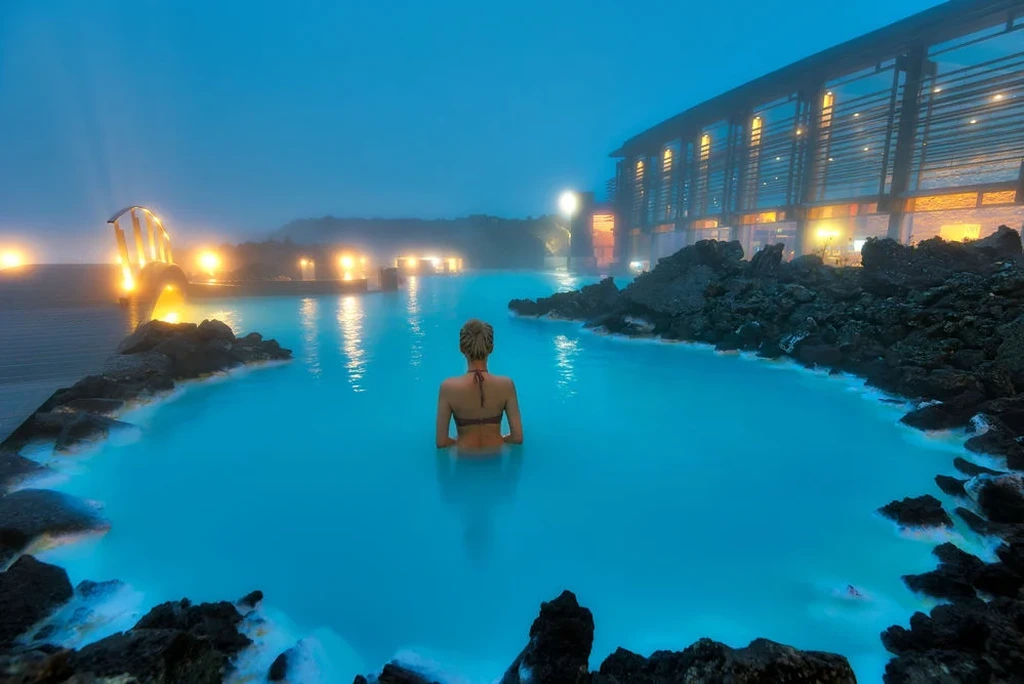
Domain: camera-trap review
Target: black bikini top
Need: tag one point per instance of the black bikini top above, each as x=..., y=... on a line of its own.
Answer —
x=478, y=378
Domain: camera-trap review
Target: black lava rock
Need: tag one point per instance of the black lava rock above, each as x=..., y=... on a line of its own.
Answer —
x=560, y=642
x=29, y=591
x=920, y=511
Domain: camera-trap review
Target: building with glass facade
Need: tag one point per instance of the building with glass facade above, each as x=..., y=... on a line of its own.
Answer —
x=912, y=131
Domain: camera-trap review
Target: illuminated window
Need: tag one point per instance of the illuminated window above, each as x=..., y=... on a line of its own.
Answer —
x=827, y=102
x=960, y=200
x=755, y=131
x=999, y=197
x=960, y=232
x=666, y=160
x=705, y=147
x=639, y=170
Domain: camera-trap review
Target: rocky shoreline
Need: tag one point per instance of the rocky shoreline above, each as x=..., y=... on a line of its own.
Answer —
x=939, y=323
x=174, y=642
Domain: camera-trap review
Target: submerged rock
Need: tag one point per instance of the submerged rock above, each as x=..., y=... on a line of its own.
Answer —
x=29, y=591
x=920, y=511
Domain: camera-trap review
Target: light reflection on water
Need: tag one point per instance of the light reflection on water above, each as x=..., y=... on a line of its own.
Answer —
x=415, y=324
x=566, y=350
x=350, y=318
x=567, y=281
x=308, y=313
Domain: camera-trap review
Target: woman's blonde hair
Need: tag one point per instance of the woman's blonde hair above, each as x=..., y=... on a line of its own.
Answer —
x=476, y=339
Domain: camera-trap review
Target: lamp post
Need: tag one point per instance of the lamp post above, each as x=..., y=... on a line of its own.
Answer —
x=569, y=204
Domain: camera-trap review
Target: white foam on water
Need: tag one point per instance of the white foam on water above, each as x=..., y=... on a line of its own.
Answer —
x=84, y=620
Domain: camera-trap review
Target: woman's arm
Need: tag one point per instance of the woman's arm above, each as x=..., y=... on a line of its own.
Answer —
x=515, y=420
x=444, y=419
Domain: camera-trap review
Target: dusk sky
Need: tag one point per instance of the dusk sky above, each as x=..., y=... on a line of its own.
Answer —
x=233, y=117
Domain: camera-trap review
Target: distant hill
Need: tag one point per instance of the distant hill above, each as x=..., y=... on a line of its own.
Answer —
x=483, y=241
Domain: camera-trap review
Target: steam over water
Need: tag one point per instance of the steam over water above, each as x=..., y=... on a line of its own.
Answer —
x=680, y=493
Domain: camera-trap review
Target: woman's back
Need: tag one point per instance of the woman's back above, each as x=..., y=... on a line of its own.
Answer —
x=477, y=400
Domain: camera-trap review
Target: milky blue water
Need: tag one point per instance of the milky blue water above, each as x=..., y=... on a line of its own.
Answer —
x=679, y=492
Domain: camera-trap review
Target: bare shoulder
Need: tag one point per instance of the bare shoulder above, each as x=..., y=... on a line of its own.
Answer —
x=504, y=382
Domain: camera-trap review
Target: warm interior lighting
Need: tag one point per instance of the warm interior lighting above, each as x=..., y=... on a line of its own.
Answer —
x=169, y=288
x=347, y=262
x=826, y=233
x=411, y=262
x=998, y=97
x=209, y=261
x=362, y=261
x=347, y=276
x=11, y=258
x=705, y=147
x=799, y=131
x=303, y=263
x=826, y=109
x=960, y=232
x=999, y=197
x=453, y=264
x=959, y=200
x=435, y=262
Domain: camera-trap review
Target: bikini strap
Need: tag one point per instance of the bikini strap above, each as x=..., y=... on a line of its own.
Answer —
x=478, y=378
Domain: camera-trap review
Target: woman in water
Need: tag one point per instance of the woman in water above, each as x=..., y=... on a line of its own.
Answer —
x=478, y=400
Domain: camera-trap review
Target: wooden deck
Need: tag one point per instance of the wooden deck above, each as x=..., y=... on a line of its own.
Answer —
x=57, y=324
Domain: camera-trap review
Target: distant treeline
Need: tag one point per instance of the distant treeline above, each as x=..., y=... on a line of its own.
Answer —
x=482, y=241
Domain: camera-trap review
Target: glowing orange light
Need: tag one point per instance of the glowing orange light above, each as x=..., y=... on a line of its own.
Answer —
x=172, y=317
x=11, y=258
x=303, y=263
x=347, y=276
x=347, y=262
x=411, y=262
x=362, y=261
x=209, y=261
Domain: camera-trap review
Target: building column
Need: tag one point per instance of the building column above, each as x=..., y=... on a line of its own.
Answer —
x=912, y=64
x=809, y=130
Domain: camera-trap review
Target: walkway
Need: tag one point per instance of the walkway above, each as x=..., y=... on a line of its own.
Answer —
x=57, y=324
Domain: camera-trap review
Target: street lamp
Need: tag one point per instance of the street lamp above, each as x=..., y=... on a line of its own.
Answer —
x=569, y=203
